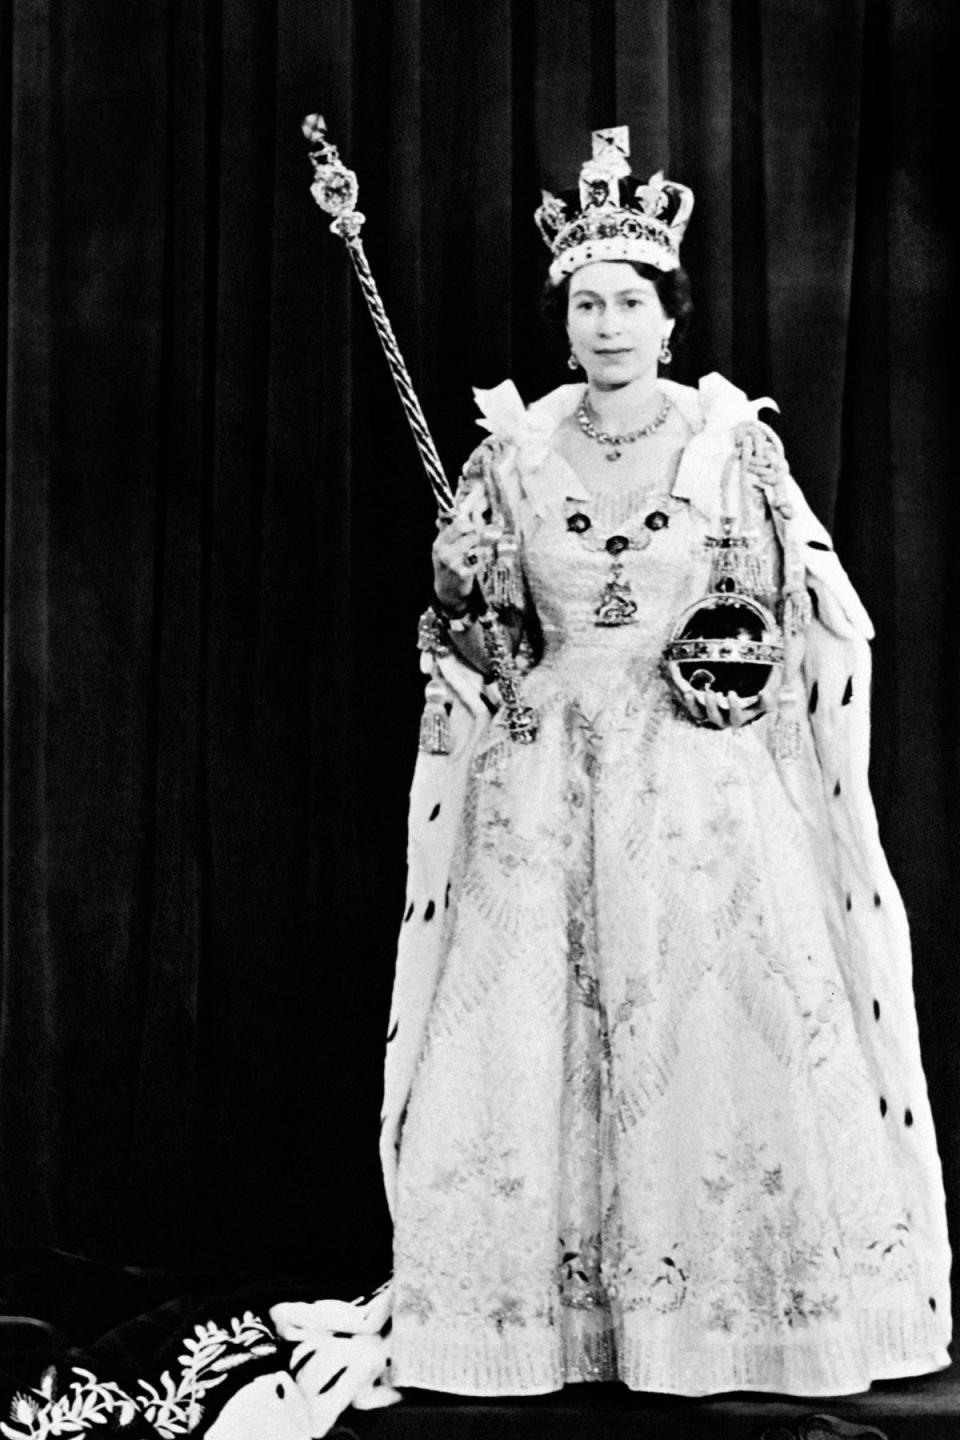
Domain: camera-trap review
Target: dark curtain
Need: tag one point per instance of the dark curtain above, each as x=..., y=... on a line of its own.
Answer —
x=217, y=534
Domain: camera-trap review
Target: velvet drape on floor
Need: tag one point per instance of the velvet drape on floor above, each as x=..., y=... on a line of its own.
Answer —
x=216, y=533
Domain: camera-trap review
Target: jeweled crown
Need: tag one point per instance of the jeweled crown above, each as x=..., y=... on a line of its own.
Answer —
x=612, y=215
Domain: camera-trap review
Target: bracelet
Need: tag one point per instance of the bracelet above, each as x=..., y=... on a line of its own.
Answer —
x=457, y=621
x=456, y=624
x=459, y=624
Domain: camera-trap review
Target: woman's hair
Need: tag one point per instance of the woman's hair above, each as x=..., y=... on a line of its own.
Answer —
x=672, y=287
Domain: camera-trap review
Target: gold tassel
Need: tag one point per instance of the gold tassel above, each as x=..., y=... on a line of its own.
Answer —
x=431, y=637
x=786, y=728
x=504, y=587
x=435, y=721
x=797, y=609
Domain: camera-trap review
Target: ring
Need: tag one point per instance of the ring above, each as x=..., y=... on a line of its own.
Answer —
x=470, y=558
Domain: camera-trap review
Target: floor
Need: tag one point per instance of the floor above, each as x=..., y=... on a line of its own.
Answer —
x=928, y=1407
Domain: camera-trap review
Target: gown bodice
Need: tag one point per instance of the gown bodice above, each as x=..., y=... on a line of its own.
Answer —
x=574, y=551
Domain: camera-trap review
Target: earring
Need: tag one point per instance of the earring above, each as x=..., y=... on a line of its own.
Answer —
x=572, y=362
x=666, y=354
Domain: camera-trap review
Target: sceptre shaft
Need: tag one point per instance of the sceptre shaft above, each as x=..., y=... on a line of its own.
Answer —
x=335, y=190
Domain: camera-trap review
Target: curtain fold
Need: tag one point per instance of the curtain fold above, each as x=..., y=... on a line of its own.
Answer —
x=216, y=531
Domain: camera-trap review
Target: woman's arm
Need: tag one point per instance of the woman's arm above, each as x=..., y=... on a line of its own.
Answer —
x=460, y=553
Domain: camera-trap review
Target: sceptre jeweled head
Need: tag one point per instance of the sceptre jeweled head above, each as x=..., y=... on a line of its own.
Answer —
x=611, y=215
x=334, y=186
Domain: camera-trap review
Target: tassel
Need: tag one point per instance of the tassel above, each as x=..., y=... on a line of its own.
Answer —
x=431, y=638
x=435, y=721
x=797, y=610
x=504, y=585
x=786, y=728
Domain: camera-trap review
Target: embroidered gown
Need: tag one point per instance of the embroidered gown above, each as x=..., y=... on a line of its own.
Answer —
x=653, y=1130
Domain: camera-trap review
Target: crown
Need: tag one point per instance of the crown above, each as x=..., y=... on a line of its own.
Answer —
x=612, y=215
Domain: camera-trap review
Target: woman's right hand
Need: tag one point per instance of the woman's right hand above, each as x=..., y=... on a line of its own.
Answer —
x=456, y=555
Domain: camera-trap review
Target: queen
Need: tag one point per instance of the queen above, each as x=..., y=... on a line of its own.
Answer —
x=654, y=1107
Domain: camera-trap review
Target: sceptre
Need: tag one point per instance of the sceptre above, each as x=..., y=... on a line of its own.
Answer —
x=335, y=190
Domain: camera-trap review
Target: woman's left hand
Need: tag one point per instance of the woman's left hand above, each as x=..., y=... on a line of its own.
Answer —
x=725, y=712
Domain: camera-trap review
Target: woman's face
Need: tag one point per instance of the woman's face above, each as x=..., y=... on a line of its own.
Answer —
x=615, y=322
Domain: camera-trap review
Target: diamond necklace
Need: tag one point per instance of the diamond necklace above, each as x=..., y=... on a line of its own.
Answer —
x=603, y=437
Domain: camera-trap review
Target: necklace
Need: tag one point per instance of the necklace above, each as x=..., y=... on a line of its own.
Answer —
x=603, y=437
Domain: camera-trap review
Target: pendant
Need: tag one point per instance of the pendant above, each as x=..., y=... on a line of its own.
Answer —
x=617, y=605
x=614, y=454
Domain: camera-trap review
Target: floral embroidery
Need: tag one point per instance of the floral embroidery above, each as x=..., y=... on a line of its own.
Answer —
x=414, y=1300
x=772, y=1181
x=765, y=1261
x=721, y=1316
x=509, y=1185
x=579, y=1273
x=508, y=1312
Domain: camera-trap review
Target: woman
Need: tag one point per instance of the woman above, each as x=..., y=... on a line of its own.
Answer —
x=654, y=1107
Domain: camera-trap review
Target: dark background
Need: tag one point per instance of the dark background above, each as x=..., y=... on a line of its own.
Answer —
x=217, y=534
